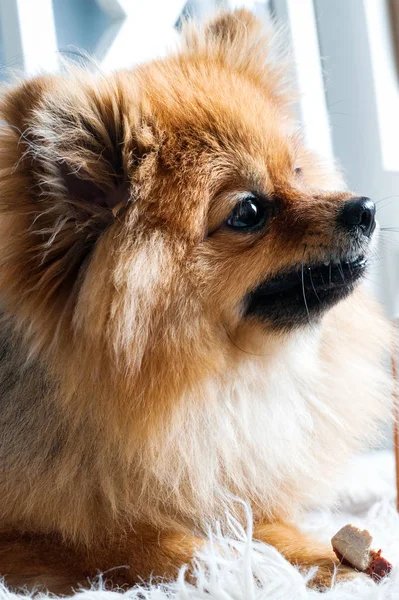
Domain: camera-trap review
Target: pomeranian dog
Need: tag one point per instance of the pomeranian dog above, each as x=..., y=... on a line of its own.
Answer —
x=181, y=318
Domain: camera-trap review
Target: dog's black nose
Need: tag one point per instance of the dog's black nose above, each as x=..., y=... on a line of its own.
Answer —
x=358, y=213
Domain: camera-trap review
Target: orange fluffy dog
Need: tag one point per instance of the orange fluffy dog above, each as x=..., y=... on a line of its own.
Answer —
x=180, y=324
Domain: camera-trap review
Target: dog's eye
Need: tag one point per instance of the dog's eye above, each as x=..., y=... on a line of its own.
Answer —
x=247, y=215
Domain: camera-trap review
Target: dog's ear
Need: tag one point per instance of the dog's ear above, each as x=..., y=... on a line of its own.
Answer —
x=244, y=43
x=239, y=27
x=74, y=141
x=68, y=151
x=230, y=36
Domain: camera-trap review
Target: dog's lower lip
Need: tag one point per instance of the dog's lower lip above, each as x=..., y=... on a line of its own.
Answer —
x=317, y=277
x=291, y=298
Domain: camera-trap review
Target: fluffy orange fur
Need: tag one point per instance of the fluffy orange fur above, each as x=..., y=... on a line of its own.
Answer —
x=136, y=399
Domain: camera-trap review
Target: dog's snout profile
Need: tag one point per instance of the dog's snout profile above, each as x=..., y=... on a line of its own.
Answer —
x=359, y=213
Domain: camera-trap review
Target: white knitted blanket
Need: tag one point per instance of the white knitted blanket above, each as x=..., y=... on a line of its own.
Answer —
x=238, y=568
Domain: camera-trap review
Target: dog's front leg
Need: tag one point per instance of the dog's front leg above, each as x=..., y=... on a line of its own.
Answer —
x=40, y=563
x=46, y=563
x=151, y=553
x=303, y=551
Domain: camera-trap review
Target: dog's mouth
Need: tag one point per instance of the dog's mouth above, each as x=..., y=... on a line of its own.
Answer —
x=301, y=294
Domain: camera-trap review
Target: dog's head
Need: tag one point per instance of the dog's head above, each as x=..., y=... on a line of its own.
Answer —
x=169, y=208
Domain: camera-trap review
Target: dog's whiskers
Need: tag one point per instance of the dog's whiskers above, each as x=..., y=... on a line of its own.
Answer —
x=341, y=271
x=237, y=346
x=311, y=281
x=303, y=286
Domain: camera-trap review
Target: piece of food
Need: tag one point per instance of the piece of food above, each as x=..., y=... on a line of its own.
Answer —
x=353, y=547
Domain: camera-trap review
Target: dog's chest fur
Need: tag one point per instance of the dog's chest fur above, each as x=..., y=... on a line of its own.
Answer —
x=273, y=431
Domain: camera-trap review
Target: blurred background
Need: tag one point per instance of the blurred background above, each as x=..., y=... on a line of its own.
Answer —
x=345, y=63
